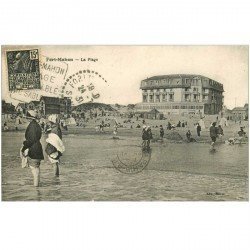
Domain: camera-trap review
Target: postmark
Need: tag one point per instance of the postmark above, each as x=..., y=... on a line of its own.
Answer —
x=83, y=86
x=131, y=159
x=23, y=69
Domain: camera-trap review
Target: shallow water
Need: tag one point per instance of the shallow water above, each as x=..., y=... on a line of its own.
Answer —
x=176, y=171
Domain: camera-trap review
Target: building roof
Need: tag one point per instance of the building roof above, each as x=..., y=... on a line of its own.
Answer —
x=174, y=76
x=239, y=109
x=50, y=100
x=154, y=111
x=36, y=103
x=93, y=106
x=175, y=83
x=21, y=104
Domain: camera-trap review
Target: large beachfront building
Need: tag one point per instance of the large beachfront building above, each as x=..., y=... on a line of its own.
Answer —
x=181, y=94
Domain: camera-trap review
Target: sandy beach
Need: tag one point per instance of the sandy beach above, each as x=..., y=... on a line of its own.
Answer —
x=177, y=170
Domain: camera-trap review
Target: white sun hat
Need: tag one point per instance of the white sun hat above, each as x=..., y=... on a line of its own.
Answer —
x=52, y=118
x=32, y=114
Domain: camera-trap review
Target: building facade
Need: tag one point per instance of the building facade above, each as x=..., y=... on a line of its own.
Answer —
x=240, y=113
x=181, y=94
x=7, y=108
x=53, y=105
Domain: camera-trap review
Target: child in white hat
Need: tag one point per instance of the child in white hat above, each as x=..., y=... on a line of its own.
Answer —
x=55, y=146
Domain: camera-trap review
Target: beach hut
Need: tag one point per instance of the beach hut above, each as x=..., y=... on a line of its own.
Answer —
x=155, y=114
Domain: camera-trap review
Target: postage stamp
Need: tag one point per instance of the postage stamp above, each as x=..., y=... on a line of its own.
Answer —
x=131, y=159
x=23, y=69
x=52, y=75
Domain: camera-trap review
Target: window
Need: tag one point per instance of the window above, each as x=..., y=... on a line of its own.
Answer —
x=204, y=97
x=144, y=98
x=171, y=97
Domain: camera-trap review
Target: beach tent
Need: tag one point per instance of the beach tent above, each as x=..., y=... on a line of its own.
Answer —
x=223, y=122
x=202, y=124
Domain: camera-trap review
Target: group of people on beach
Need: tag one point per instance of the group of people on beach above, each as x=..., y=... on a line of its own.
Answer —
x=217, y=132
x=146, y=136
x=32, y=152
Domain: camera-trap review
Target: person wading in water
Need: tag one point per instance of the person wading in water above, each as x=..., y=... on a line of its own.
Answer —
x=32, y=147
x=213, y=134
x=55, y=147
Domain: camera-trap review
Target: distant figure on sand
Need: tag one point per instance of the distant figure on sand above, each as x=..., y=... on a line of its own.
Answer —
x=213, y=134
x=149, y=135
x=161, y=132
x=102, y=127
x=115, y=130
x=189, y=138
x=55, y=146
x=169, y=127
x=188, y=135
x=5, y=127
x=242, y=134
x=32, y=147
x=198, y=128
x=146, y=136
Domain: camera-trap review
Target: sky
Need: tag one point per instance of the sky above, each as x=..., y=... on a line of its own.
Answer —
x=125, y=66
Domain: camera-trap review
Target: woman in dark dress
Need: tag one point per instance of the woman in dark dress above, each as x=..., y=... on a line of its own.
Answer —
x=32, y=147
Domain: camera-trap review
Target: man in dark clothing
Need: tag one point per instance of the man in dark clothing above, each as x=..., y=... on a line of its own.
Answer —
x=188, y=135
x=213, y=133
x=198, y=130
x=161, y=132
x=169, y=126
x=144, y=136
x=149, y=136
x=32, y=143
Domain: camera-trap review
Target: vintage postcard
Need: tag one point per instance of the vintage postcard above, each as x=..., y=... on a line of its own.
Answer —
x=124, y=123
